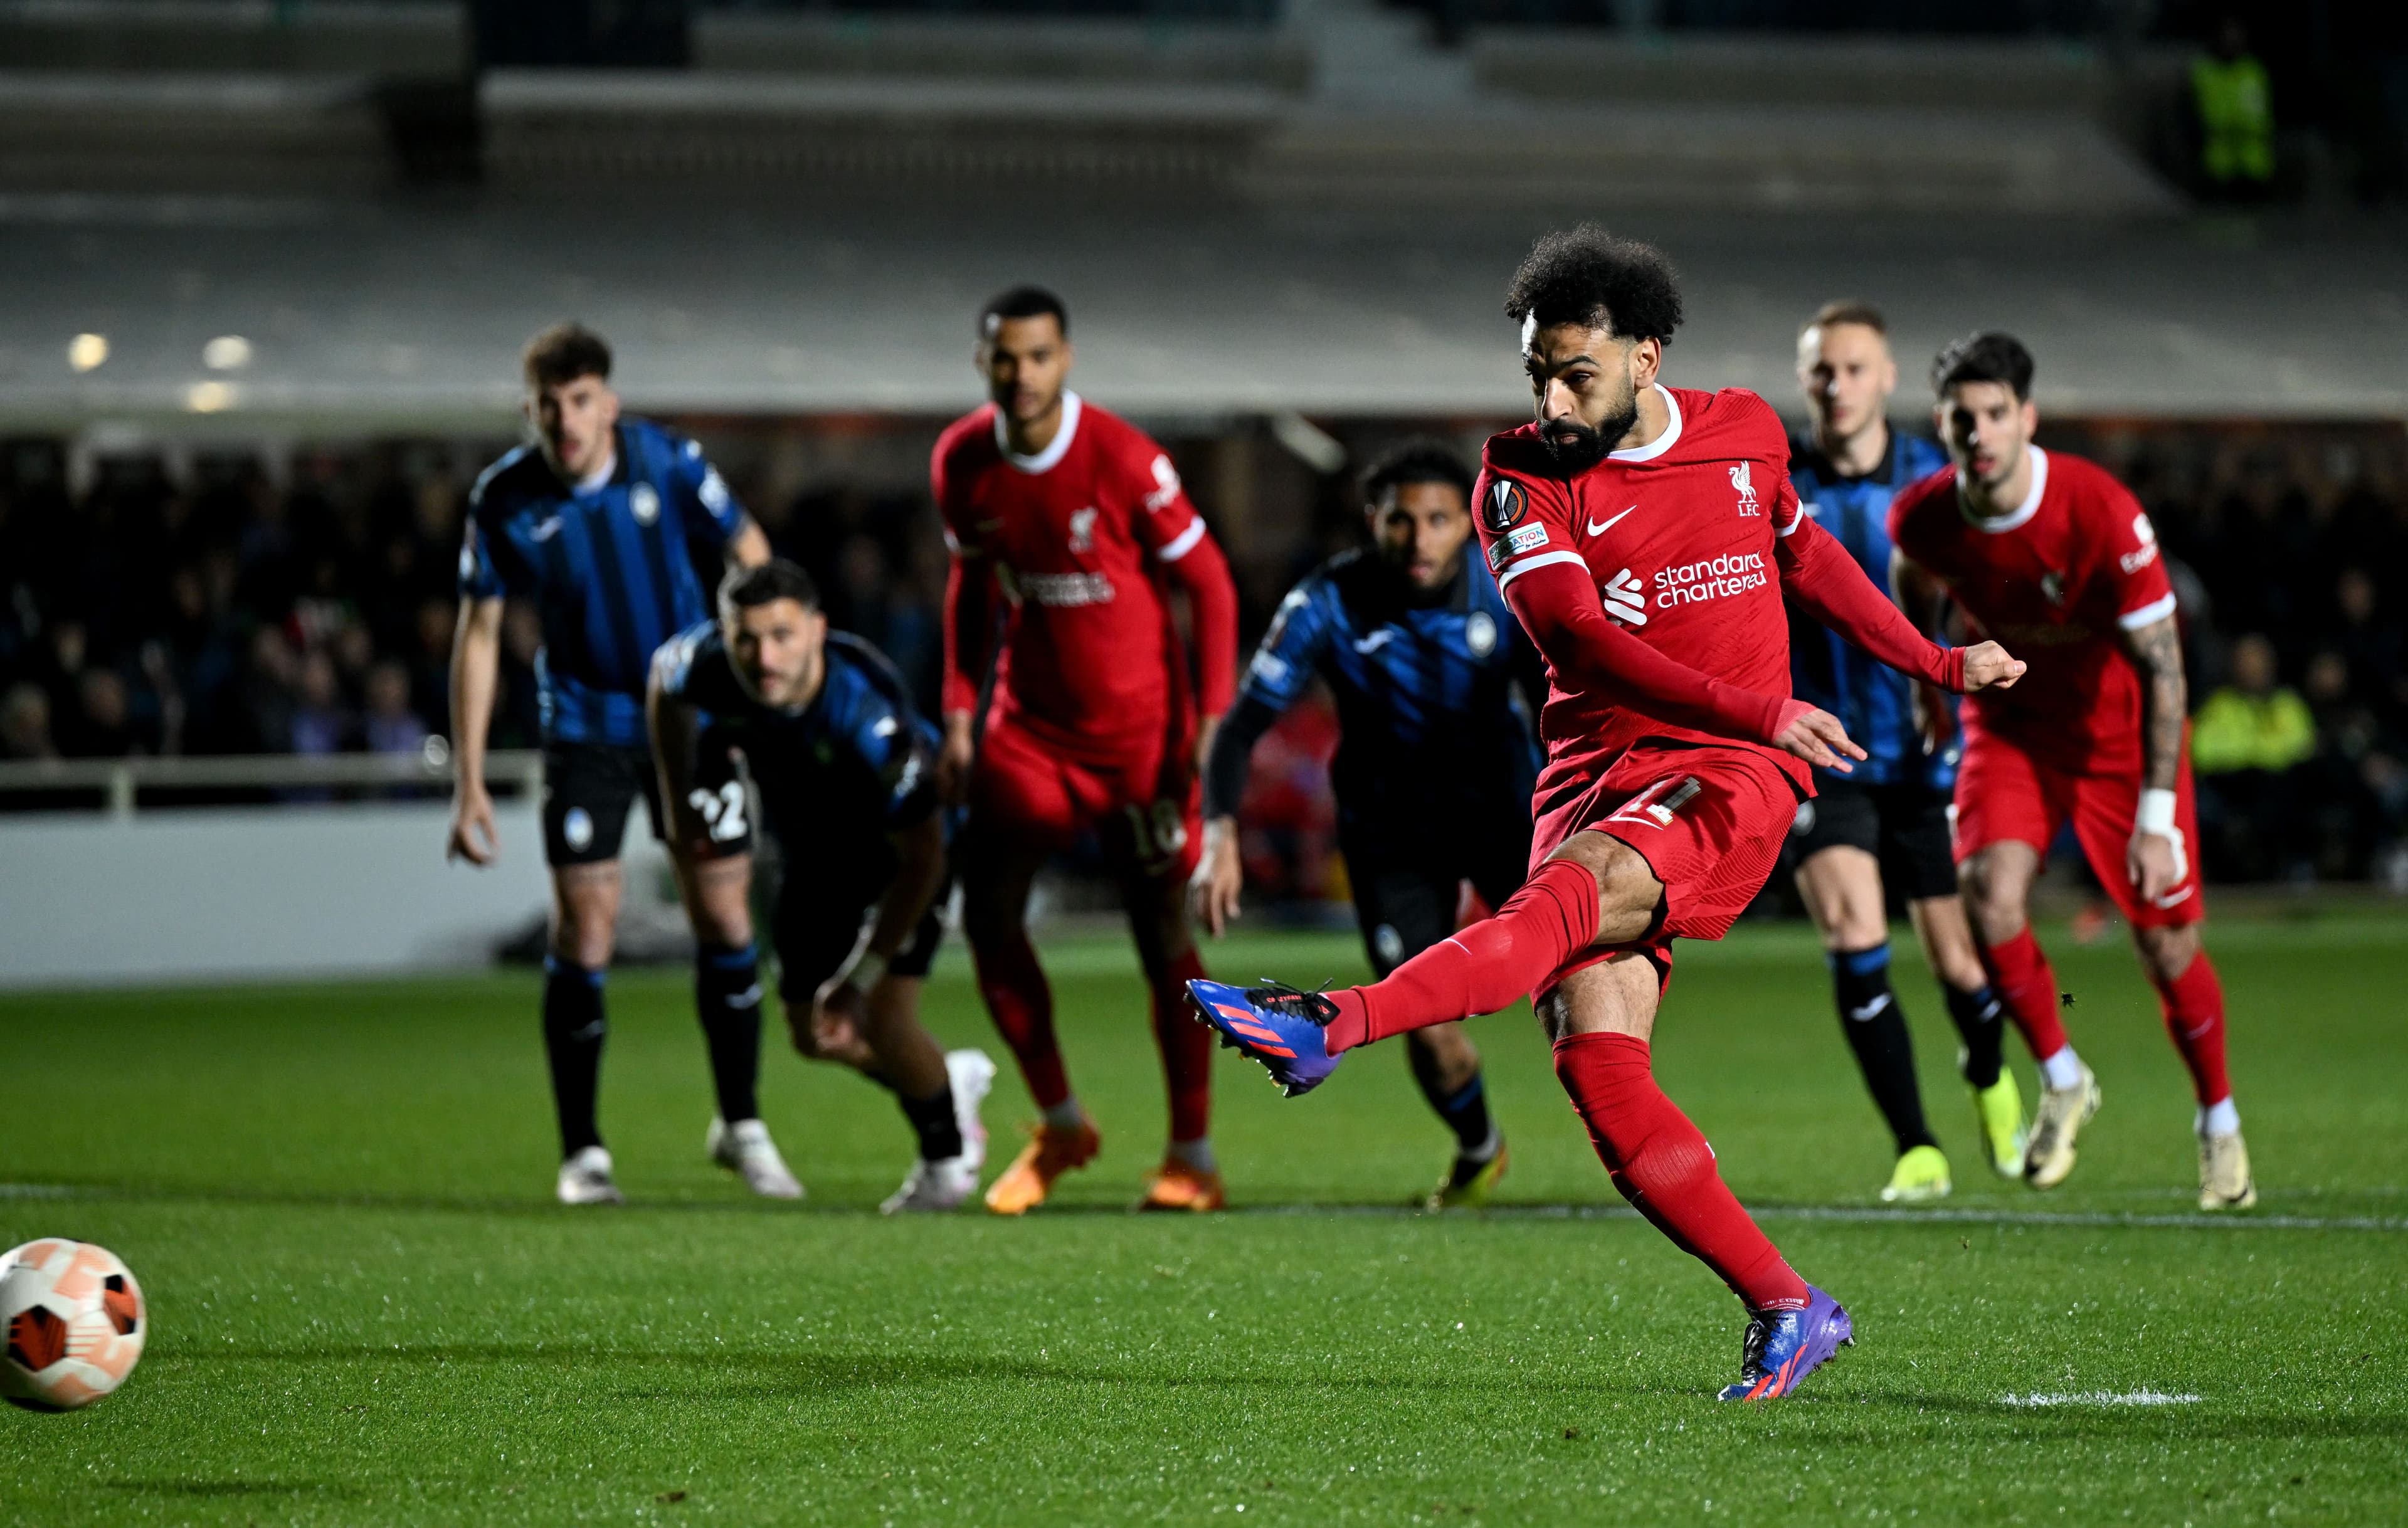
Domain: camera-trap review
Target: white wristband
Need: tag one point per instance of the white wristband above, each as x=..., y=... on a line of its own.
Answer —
x=2156, y=813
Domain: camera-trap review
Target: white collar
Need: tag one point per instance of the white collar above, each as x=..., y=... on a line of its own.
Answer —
x=1054, y=451
x=2022, y=514
x=1662, y=443
x=599, y=478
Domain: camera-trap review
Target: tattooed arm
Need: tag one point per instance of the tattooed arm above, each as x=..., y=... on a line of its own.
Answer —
x=2157, y=859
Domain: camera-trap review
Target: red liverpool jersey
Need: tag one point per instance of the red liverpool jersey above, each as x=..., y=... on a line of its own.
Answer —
x=1080, y=538
x=1679, y=537
x=2055, y=581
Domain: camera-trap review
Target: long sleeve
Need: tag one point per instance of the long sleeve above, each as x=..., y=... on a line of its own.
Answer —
x=1558, y=605
x=969, y=632
x=1285, y=663
x=1827, y=583
x=1212, y=596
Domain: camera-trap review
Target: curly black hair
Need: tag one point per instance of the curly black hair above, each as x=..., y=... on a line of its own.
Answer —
x=1421, y=460
x=1991, y=356
x=1587, y=276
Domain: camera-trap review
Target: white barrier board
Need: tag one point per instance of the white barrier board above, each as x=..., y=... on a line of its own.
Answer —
x=341, y=888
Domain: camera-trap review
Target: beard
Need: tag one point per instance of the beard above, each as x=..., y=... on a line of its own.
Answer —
x=1576, y=447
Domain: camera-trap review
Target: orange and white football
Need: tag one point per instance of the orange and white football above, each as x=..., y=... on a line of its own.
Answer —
x=75, y=1322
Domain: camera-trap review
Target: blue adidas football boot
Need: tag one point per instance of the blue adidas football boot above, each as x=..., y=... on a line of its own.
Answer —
x=1784, y=1347
x=1275, y=1024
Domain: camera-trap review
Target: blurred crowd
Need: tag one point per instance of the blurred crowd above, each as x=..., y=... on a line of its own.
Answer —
x=2290, y=557
x=243, y=602
x=240, y=602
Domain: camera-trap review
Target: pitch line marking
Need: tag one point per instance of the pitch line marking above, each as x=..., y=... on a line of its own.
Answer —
x=1865, y=1215
x=2103, y=1397
x=1845, y=1214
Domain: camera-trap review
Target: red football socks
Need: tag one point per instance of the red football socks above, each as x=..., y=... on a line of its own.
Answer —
x=1490, y=966
x=2194, y=1008
x=1186, y=1048
x=2019, y=974
x=1659, y=1162
x=1013, y=985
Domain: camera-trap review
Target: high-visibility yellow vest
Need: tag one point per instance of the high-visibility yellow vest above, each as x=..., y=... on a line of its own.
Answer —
x=2235, y=730
x=2236, y=112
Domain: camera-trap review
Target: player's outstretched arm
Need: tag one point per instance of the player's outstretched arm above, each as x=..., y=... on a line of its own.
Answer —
x=1818, y=573
x=2157, y=857
x=476, y=662
x=1558, y=605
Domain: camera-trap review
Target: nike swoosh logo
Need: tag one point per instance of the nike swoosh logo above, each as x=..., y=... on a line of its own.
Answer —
x=1372, y=643
x=1871, y=1009
x=1595, y=528
x=550, y=528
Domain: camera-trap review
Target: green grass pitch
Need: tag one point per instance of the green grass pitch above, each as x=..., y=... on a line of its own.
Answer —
x=367, y=1311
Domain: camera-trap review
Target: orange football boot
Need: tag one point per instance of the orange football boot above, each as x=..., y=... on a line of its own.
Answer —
x=1051, y=1152
x=1178, y=1186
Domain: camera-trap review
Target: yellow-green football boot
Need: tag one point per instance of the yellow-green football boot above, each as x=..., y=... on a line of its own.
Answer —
x=1921, y=1175
x=1468, y=1184
x=1998, y=1109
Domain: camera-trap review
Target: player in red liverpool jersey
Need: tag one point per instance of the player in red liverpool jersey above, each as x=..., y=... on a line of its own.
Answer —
x=1079, y=523
x=1644, y=535
x=2049, y=552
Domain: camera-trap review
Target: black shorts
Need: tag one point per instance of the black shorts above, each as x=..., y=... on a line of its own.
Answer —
x=587, y=790
x=819, y=915
x=1408, y=879
x=1905, y=826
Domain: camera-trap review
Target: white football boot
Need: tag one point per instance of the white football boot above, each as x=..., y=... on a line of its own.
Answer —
x=2224, y=1180
x=745, y=1149
x=944, y=1185
x=2048, y=1156
x=585, y=1179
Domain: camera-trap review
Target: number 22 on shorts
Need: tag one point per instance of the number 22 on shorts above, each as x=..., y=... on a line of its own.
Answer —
x=722, y=811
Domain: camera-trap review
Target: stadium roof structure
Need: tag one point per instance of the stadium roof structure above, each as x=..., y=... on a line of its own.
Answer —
x=1316, y=218
x=398, y=312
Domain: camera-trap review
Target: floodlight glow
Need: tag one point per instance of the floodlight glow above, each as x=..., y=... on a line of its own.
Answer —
x=209, y=397
x=227, y=353
x=86, y=352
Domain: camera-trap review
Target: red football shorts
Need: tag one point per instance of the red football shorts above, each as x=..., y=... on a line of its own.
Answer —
x=1033, y=792
x=2005, y=795
x=1710, y=821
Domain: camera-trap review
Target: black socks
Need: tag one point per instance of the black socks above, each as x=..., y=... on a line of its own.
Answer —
x=1876, y=1031
x=1465, y=1110
x=573, y=1031
x=727, y=999
x=1980, y=1018
x=932, y=1120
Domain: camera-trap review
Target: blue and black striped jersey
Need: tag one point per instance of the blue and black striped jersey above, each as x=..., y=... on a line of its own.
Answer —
x=1428, y=717
x=613, y=572
x=1871, y=700
x=858, y=758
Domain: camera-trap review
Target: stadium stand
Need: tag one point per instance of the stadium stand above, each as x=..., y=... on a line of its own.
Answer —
x=167, y=600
